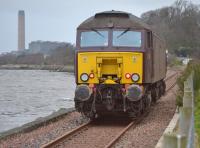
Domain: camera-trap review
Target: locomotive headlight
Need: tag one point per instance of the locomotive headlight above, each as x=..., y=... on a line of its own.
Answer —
x=135, y=77
x=84, y=77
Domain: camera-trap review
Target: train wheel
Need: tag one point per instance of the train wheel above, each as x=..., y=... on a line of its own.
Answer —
x=90, y=115
x=147, y=99
x=161, y=90
x=154, y=95
x=136, y=109
x=164, y=87
x=132, y=115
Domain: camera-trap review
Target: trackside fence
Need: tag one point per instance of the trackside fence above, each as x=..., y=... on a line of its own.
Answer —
x=184, y=135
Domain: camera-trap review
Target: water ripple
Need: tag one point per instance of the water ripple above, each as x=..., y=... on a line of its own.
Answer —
x=29, y=94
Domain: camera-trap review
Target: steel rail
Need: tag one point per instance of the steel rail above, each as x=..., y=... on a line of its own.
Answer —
x=133, y=124
x=59, y=139
x=111, y=143
x=169, y=77
x=172, y=85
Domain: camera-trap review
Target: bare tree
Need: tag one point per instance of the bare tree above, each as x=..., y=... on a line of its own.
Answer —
x=179, y=24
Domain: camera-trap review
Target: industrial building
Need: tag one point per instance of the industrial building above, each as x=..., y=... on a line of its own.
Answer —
x=44, y=46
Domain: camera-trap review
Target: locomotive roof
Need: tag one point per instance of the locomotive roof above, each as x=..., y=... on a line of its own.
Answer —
x=113, y=19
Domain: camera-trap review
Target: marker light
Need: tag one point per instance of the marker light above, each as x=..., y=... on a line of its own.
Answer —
x=84, y=77
x=128, y=75
x=91, y=75
x=135, y=77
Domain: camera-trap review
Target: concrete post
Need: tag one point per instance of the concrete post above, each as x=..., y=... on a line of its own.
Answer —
x=174, y=141
x=184, y=120
x=187, y=99
x=188, y=93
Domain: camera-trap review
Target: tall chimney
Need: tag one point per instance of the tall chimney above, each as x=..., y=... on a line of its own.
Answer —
x=21, y=30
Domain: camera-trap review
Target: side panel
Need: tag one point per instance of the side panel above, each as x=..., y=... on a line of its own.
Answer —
x=110, y=63
x=159, y=60
x=148, y=66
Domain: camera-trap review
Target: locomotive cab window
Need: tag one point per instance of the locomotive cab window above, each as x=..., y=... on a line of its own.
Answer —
x=127, y=38
x=149, y=40
x=94, y=38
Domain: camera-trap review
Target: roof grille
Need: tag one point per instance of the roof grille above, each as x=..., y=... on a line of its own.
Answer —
x=112, y=14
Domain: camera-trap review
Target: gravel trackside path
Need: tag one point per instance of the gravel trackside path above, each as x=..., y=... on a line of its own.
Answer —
x=44, y=134
x=148, y=132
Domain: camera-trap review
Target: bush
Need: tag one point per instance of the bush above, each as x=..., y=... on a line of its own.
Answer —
x=192, y=66
x=173, y=61
x=197, y=113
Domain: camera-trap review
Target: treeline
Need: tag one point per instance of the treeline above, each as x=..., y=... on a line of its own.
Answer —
x=60, y=56
x=179, y=25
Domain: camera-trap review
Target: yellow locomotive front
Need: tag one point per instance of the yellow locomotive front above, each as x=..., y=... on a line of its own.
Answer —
x=115, y=67
x=109, y=66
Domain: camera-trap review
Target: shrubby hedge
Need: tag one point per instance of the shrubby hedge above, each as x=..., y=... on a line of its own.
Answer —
x=192, y=66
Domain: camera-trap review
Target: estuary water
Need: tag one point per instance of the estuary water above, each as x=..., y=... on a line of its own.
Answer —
x=28, y=94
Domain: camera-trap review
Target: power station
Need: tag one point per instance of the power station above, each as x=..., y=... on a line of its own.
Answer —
x=21, y=30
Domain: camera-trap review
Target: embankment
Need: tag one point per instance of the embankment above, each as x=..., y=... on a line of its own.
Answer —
x=59, y=68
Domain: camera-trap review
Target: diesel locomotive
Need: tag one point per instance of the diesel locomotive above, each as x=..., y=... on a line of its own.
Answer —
x=120, y=65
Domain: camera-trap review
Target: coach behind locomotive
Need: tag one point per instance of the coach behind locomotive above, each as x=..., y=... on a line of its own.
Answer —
x=120, y=65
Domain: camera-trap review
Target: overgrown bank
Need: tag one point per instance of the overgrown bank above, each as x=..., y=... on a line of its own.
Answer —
x=58, y=68
x=192, y=66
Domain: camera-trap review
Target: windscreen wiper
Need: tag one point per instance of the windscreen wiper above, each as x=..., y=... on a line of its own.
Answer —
x=123, y=32
x=97, y=32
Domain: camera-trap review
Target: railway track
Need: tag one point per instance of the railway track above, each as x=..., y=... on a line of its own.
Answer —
x=111, y=136
x=132, y=124
x=59, y=139
x=107, y=134
x=171, y=76
x=172, y=82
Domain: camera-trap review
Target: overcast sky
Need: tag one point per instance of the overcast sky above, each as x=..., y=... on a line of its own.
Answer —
x=56, y=20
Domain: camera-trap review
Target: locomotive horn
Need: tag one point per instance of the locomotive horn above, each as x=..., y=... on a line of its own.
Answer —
x=82, y=93
x=134, y=93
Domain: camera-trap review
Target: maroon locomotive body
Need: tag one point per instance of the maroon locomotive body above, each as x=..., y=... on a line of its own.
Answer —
x=120, y=65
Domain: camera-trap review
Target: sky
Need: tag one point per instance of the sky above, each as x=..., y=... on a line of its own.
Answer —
x=57, y=20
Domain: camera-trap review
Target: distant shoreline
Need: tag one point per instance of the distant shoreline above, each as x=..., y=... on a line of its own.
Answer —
x=57, y=68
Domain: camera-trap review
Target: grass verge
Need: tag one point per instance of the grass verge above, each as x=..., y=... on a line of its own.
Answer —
x=197, y=112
